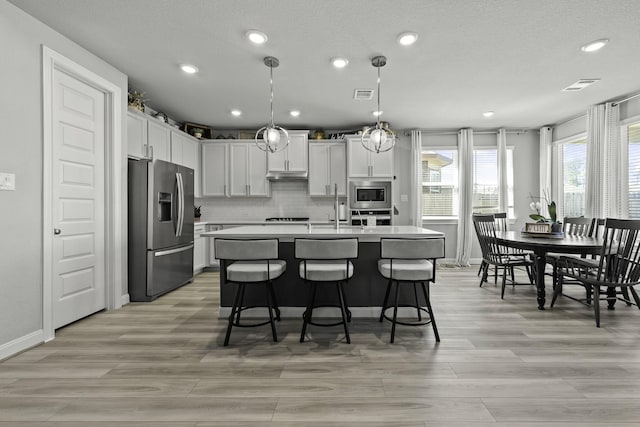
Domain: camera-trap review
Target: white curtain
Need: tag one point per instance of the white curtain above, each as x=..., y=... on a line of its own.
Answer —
x=545, y=168
x=416, y=178
x=616, y=178
x=465, y=226
x=503, y=185
x=596, y=160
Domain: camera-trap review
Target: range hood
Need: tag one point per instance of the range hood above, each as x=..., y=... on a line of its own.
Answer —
x=287, y=176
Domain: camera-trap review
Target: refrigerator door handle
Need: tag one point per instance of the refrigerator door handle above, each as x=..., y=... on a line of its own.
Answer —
x=180, y=204
x=173, y=251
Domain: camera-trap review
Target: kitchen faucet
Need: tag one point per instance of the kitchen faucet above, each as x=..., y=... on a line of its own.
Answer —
x=360, y=217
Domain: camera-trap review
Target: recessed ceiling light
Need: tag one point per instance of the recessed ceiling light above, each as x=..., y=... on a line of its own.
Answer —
x=294, y=113
x=594, y=45
x=488, y=113
x=377, y=113
x=407, y=38
x=236, y=113
x=257, y=37
x=339, y=62
x=189, y=69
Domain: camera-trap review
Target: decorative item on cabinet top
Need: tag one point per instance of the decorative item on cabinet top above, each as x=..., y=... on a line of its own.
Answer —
x=193, y=129
x=136, y=99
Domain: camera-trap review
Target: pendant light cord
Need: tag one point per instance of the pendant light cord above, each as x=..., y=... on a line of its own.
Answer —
x=271, y=83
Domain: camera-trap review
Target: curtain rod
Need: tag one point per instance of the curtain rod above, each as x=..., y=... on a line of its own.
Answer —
x=626, y=99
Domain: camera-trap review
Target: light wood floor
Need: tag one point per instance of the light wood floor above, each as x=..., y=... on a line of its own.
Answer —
x=500, y=363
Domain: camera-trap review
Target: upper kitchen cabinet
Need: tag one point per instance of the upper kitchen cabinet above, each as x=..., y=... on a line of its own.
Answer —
x=294, y=157
x=185, y=151
x=247, y=170
x=234, y=169
x=327, y=167
x=214, y=168
x=146, y=138
x=362, y=163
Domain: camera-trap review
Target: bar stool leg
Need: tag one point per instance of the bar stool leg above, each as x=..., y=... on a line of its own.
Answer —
x=232, y=315
x=308, y=312
x=270, y=309
x=433, y=318
x=415, y=294
x=275, y=301
x=242, y=289
x=343, y=311
x=395, y=314
x=386, y=299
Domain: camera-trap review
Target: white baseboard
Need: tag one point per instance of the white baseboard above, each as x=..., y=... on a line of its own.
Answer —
x=20, y=344
x=124, y=299
x=327, y=312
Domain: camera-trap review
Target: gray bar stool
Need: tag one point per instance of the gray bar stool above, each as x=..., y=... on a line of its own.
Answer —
x=326, y=261
x=250, y=262
x=409, y=261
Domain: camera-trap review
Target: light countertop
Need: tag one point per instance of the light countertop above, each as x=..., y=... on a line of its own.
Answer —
x=290, y=232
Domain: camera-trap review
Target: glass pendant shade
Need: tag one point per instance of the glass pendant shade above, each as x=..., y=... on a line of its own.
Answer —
x=271, y=138
x=378, y=138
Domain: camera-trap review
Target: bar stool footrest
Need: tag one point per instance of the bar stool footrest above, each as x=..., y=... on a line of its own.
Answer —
x=327, y=324
x=251, y=325
x=416, y=323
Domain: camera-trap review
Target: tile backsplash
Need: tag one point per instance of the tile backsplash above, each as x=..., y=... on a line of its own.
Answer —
x=288, y=199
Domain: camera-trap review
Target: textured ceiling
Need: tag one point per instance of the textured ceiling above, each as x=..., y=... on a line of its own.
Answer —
x=512, y=57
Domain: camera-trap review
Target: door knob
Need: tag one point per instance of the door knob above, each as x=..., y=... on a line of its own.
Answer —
x=57, y=231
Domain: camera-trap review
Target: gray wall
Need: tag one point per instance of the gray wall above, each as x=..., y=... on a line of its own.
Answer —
x=21, y=40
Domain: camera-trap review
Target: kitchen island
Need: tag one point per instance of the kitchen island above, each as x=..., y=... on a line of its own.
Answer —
x=364, y=292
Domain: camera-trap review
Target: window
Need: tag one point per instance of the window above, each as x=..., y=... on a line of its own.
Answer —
x=633, y=139
x=572, y=167
x=440, y=182
x=486, y=187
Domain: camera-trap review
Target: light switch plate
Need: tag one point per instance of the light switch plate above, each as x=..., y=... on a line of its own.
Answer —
x=404, y=198
x=7, y=181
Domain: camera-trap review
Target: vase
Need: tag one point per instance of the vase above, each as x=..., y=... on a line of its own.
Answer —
x=556, y=227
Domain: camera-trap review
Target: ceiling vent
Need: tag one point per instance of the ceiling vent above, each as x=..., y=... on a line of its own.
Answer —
x=363, y=94
x=580, y=84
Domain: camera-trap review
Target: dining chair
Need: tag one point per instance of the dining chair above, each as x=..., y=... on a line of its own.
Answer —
x=405, y=261
x=250, y=262
x=502, y=224
x=617, y=266
x=499, y=255
x=571, y=226
x=326, y=261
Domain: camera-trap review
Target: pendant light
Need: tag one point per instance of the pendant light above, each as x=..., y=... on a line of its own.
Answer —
x=271, y=138
x=378, y=139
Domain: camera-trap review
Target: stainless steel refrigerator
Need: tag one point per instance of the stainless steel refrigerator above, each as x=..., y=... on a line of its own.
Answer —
x=160, y=228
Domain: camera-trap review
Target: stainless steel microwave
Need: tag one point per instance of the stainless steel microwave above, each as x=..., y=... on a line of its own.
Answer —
x=370, y=194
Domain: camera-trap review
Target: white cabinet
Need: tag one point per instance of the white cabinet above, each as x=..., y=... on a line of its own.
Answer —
x=247, y=170
x=363, y=163
x=136, y=135
x=214, y=169
x=211, y=256
x=294, y=157
x=327, y=167
x=159, y=140
x=199, y=248
x=234, y=169
x=147, y=138
x=185, y=151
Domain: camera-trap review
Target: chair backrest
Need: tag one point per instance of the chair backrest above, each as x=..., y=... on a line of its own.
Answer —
x=620, y=254
x=486, y=231
x=500, y=219
x=246, y=249
x=324, y=249
x=577, y=226
x=597, y=229
x=405, y=248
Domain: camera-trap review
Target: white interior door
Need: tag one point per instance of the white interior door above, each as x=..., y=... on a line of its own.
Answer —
x=78, y=194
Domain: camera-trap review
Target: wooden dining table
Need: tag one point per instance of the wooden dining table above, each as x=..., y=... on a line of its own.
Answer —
x=541, y=245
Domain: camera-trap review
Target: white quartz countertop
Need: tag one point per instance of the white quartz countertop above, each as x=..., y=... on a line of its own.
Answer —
x=263, y=222
x=290, y=232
